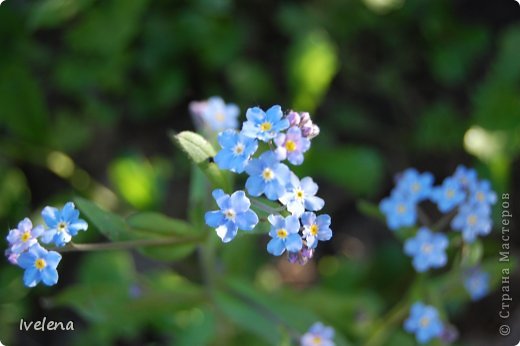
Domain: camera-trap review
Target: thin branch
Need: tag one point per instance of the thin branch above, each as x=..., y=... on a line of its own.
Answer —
x=125, y=245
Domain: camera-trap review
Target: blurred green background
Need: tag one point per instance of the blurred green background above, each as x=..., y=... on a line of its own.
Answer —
x=89, y=89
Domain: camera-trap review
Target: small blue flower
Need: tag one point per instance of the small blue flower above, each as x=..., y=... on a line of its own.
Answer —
x=300, y=196
x=316, y=228
x=399, y=211
x=292, y=145
x=63, y=224
x=428, y=249
x=267, y=175
x=473, y=220
x=448, y=195
x=39, y=265
x=264, y=125
x=481, y=193
x=23, y=237
x=465, y=176
x=424, y=322
x=318, y=335
x=215, y=114
x=476, y=282
x=234, y=214
x=236, y=151
x=414, y=185
x=285, y=235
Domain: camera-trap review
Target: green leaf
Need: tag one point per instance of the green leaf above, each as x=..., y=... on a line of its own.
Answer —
x=313, y=62
x=52, y=13
x=358, y=169
x=370, y=210
x=110, y=225
x=156, y=225
x=24, y=111
x=247, y=318
x=137, y=180
x=159, y=224
x=199, y=150
x=472, y=254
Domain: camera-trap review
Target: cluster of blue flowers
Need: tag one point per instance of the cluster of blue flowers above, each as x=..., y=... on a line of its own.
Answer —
x=296, y=228
x=25, y=249
x=462, y=193
x=318, y=335
x=466, y=203
x=462, y=197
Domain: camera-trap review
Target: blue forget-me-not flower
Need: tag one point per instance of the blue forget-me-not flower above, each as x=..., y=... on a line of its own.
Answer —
x=236, y=150
x=24, y=236
x=292, y=145
x=428, y=249
x=264, y=125
x=285, y=235
x=300, y=195
x=424, y=322
x=234, y=214
x=63, y=224
x=315, y=228
x=318, y=335
x=449, y=195
x=399, y=210
x=39, y=265
x=267, y=176
x=476, y=282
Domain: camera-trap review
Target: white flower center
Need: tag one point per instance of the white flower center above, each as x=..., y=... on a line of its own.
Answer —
x=230, y=214
x=238, y=149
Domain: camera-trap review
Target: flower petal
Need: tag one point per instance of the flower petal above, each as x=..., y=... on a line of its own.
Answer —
x=50, y=216
x=276, y=247
x=214, y=218
x=247, y=220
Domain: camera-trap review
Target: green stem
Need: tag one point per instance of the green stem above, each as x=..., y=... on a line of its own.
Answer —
x=266, y=208
x=392, y=318
x=125, y=245
x=444, y=221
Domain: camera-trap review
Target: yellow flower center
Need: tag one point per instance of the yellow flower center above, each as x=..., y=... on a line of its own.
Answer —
x=220, y=117
x=290, y=146
x=424, y=322
x=40, y=263
x=316, y=340
x=266, y=126
x=480, y=197
x=268, y=174
x=450, y=193
x=62, y=226
x=299, y=194
x=26, y=236
x=416, y=187
x=282, y=233
x=314, y=229
x=472, y=219
x=401, y=208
